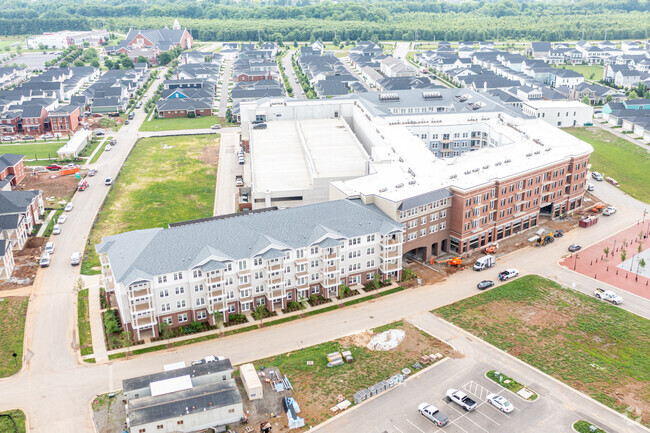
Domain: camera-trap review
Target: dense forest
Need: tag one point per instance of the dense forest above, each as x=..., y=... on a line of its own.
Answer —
x=286, y=20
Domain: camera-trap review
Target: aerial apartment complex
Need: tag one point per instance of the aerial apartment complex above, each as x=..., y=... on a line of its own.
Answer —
x=359, y=180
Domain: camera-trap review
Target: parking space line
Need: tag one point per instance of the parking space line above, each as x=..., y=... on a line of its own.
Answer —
x=395, y=427
x=409, y=421
x=477, y=411
x=464, y=415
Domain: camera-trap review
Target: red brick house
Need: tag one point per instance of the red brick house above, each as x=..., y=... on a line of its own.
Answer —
x=10, y=122
x=182, y=107
x=12, y=168
x=33, y=117
x=254, y=76
x=65, y=119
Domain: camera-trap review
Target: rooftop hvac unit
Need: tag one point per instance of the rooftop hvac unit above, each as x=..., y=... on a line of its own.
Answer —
x=507, y=161
x=411, y=172
x=427, y=96
x=475, y=170
x=412, y=182
x=401, y=159
x=468, y=172
x=453, y=176
x=383, y=189
x=485, y=167
x=399, y=185
x=498, y=163
x=529, y=154
x=537, y=152
x=547, y=149
x=388, y=97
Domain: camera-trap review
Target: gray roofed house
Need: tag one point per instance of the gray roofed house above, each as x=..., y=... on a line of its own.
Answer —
x=405, y=83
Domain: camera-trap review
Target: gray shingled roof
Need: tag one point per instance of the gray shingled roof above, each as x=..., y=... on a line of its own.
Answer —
x=142, y=254
x=16, y=201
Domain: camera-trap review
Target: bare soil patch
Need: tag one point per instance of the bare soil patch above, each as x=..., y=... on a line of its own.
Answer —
x=26, y=261
x=55, y=188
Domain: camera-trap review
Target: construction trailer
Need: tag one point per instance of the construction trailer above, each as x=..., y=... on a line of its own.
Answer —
x=251, y=381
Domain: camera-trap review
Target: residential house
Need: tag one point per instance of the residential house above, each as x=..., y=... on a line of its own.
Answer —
x=565, y=78
x=559, y=113
x=181, y=107
x=65, y=119
x=539, y=49
x=12, y=169
x=627, y=78
x=33, y=119
x=393, y=67
x=11, y=76
x=27, y=203
x=10, y=122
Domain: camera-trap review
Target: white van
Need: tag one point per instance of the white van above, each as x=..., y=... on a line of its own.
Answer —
x=75, y=258
x=484, y=262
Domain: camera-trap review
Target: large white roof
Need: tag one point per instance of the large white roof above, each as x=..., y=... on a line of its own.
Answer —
x=409, y=168
x=290, y=155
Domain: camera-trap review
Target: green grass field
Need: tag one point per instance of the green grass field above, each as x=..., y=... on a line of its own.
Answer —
x=34, y=150
x=18, y=424
x=8, y=42
x=597, y=348
x=587, y=71
x=85, y=336
x=164, y=180
x=12, y=330
x=618, y=158
x=178, y=123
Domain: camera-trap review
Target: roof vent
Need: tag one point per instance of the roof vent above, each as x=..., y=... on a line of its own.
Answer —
x=388, y=97
x=427, y=96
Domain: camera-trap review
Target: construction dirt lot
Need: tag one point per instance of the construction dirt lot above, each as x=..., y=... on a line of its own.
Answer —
x=55, y=188
x=26, y=265
x=318, y=388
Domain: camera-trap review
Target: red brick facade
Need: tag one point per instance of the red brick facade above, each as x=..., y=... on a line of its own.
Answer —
x=65, y=122
x=35, y=125
x=183, y=113
x=17, y=170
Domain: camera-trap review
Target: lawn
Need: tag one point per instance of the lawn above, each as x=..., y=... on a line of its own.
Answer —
x=164, y=180
x=597, y=348
x=12, y=329
x=9, y=426
x=587, y=71
x=618, y=158
x=316, y=386
x=43, y=151
x=83, y=317
x=177, y=123
x=8, y=42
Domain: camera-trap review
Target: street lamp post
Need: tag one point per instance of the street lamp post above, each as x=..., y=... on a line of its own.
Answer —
x=575, y=262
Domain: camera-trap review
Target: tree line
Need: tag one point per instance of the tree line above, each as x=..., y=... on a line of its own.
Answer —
x=361, y=19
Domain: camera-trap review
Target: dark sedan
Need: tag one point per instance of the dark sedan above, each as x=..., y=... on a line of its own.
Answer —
x=486, y=284
x=574, y=247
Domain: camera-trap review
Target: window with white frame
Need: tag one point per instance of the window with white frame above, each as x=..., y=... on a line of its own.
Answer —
x=257, y=261
x=300, y=253
x=164, y=293
x=242, y=265
x=180, y=304
x=201, y=315
x=200, y=301
x=443, y=225
x=182, y=318
x=165, y=307
x=168, y=320
x=178, y=276
x=198, y=287
x=370, y=238
x=196, y=273
x=162, y=279
x=180, y=290
x=370, y=250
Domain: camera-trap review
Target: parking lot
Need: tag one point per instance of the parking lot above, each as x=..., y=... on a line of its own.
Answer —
x=396, y=411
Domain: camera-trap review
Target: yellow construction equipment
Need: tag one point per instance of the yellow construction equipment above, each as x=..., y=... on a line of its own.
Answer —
x=546, y=238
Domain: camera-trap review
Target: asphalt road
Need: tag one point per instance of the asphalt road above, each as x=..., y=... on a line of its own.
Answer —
x=352, y=72
x=225, y=81
x=298, y=93
x=224, y=202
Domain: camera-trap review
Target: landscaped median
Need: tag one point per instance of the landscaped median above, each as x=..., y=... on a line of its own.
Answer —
x=586, y=427
x=12, y=421
x=511, y=385
x=83, y=318
x=245, y=327
x=597, y=348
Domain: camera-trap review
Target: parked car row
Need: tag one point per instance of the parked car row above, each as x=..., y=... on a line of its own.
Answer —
x=468, y=404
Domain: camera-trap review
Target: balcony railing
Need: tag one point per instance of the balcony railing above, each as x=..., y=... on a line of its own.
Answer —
x=329, y=256
x=389, y=267
x=274, y=267
x=144, y=321
x=141, y=307
x=390, y=253
x=139, y=293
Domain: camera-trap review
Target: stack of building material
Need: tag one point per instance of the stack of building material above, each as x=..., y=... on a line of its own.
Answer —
x=335, y=359
x=292, y=409
x=347, y=355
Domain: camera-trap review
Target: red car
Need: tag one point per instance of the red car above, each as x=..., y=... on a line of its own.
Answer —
x=54, y=167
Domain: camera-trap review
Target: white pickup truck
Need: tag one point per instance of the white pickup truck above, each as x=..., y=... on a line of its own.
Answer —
x=461, y=399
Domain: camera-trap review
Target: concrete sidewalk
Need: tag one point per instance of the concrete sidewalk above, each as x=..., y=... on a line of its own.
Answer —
x=618, y=133
x=45, y=223
x=97, y=149
x=94, y=312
